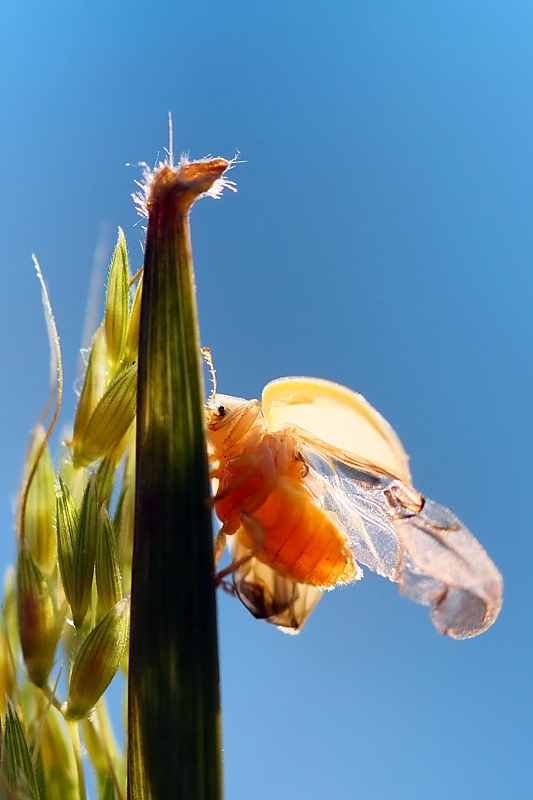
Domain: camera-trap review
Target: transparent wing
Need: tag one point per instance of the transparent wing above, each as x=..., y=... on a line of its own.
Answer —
x=446, y=568
x=337, y=421
x=426, y=550
x=358, y=502
x=270, y=596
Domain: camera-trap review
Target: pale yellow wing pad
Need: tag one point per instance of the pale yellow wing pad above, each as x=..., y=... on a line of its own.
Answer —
x=336, y=421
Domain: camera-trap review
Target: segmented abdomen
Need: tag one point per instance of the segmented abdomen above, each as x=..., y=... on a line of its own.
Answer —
x=300, y=540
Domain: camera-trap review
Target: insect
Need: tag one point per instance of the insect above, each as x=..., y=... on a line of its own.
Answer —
x=313, y=484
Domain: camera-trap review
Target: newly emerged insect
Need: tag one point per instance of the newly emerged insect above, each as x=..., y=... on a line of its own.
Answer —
x=312, y=483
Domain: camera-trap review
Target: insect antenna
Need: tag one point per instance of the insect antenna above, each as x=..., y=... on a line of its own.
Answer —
x=208, y=358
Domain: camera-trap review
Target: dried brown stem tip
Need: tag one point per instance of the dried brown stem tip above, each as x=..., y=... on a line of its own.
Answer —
x=186, y=183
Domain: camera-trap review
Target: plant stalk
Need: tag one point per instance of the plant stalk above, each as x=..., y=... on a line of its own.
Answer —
x=174, y=747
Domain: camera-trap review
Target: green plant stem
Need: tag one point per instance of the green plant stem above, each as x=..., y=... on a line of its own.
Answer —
x=74, y=734
x=174, y=748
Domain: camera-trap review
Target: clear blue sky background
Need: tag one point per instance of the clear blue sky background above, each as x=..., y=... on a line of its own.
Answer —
x=382, y=238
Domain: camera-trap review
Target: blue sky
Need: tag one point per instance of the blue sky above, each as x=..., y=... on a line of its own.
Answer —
x=381, y=237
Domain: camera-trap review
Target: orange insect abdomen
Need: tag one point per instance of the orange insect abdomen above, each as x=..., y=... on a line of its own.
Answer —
x=264, y=501
x=300, y=539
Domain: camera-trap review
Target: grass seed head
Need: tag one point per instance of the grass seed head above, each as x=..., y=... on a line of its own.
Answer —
x=98, y=660
x=112, y=416
x=131, y=347
x=84, y=554
x=38, y=627
x=93, y=390
x=67, y=528
x=117, y=304
x=40, y=508
x=108, y=577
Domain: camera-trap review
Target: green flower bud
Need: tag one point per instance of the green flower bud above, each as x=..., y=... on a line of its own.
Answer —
x=117, y=303
x=17, y=767
x=92, y=392
x=131, y=347
x=108, y=577
x=84, y=554
x=40, y=507
x=59, y=763
x=98, y=660
x=112, y=416
x=67, y=528
x=39, y=631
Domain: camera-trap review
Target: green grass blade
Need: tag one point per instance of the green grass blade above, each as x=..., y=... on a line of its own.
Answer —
x=174, y=703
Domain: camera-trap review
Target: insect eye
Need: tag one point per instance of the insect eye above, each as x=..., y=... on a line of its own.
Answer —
x=221, y=411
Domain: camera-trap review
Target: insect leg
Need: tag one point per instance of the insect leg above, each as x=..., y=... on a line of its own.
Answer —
x=257, y=533
x=220, y=544
x=260, y=464
x=233, y=567
x=221, y=494
x=253, y=460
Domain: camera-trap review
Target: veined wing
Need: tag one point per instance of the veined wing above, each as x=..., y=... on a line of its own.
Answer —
x=446, y=568
x=270, y=596
x=412, y=541
x=356, y=499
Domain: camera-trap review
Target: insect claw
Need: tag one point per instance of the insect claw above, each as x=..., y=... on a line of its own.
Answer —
x=228, y=587
x=233, y=567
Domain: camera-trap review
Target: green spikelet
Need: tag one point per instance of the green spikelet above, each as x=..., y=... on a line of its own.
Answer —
x=38, y=628
x=132, y=338
x=67, y=528
x=108, y=577
x=98, y=660
x=17, y=767
x=93, y=390
x=117, y=304
x=84, y=554
x=40, y=508
x=112, y=416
